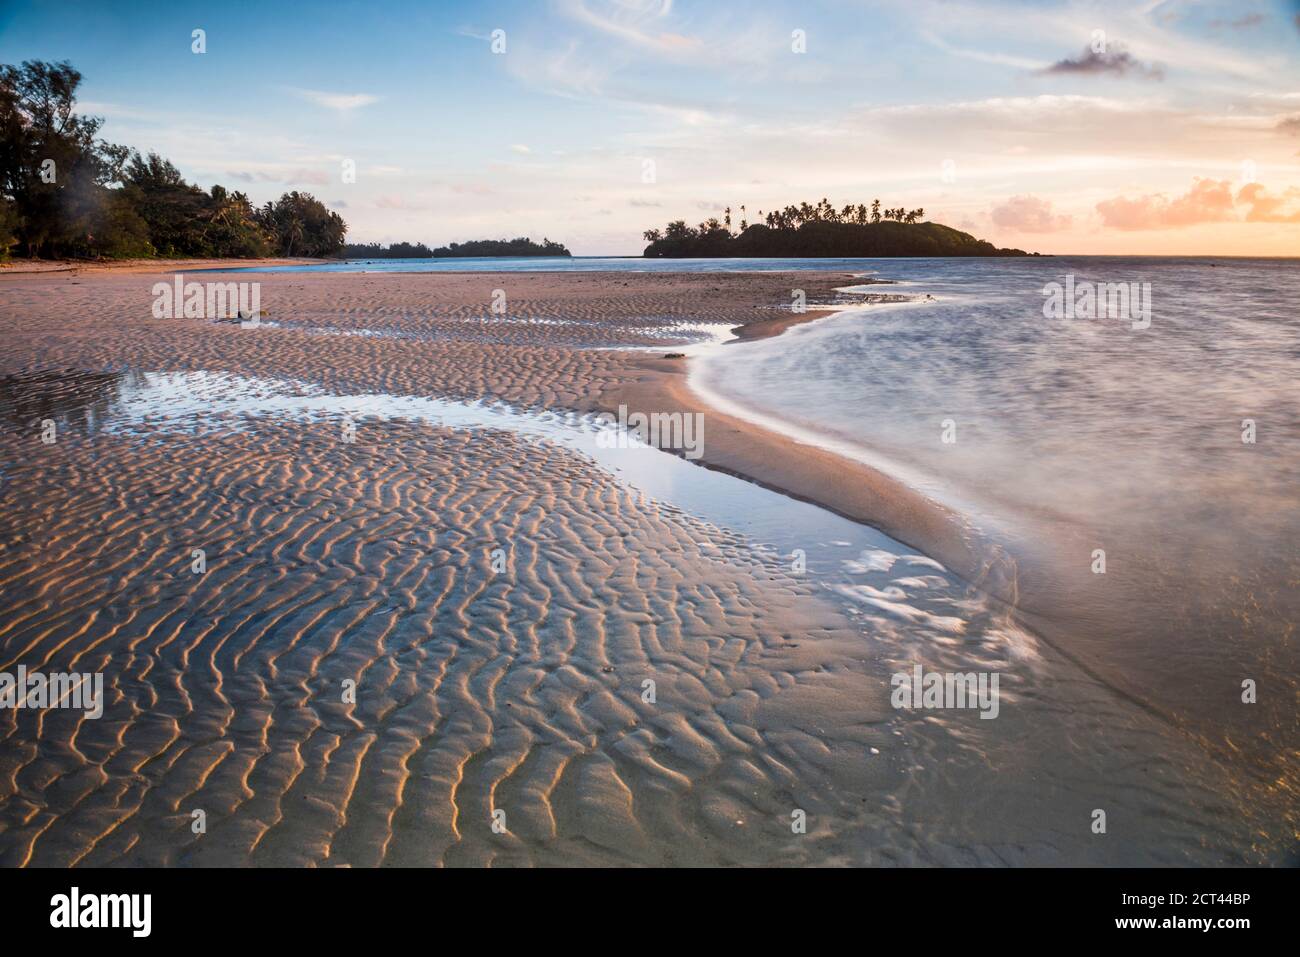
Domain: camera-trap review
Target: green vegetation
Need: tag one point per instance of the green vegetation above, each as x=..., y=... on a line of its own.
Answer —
x=483, y=247
x=66, y=193
x=502, y=247
x=395, y=251
x=819, y=231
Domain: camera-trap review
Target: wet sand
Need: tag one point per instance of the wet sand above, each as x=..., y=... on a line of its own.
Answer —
x=500, y=604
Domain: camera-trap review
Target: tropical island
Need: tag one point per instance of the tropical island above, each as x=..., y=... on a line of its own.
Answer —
x=521, y=246
x=380, y=251
x=818, y=231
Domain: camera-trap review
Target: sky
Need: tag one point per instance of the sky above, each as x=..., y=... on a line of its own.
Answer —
x=1160, y=128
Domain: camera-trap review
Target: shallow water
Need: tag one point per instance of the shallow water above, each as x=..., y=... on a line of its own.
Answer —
x=1076, y=435
x=902, y=787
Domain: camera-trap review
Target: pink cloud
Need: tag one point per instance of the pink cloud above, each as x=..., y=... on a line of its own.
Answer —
x=1208, y=201
x=1270, y=209
x=1029, y=214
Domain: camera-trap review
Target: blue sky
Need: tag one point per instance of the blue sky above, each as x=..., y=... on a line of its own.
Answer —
x=1175, y=129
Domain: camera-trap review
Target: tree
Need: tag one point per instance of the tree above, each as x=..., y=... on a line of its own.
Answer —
x=64, y=192
x=52, y=167
x=9, y=223
x=299, y=224
x=819, y=229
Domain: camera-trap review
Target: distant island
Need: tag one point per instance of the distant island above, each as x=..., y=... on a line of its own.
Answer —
x=377, y=251
x=523, y=246
x=818, y=231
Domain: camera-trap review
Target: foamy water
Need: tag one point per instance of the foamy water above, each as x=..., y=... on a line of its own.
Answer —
x=1069, y=436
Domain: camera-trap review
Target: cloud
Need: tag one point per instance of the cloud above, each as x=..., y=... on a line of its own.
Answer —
x=342, y=102
x=1028, y=214
x=1115, y=61
x=520, y=148
x=983, y=56
x=1270, y=209
x=288, y=177
x=1290, y=125
x=1245, y=20
x=1208, y=201
x=633, y=22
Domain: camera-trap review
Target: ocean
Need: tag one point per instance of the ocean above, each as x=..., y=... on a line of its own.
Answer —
x=1143, y=470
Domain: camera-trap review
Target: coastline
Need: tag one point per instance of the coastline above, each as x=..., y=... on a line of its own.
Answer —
x=332, y=560
x=807, y=472
x=34, y=267
x=1019, y=574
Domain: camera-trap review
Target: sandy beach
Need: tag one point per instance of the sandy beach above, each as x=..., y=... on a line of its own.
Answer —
x=398, y=635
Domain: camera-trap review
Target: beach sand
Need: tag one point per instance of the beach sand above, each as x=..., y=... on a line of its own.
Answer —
x=479, y=687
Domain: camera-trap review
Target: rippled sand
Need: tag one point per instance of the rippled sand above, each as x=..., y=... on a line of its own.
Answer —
x=517, y=689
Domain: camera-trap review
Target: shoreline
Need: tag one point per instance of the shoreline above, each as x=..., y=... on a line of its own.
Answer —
x=1007, y=571
x=331, y=559
x=1004, y=570
x=37, y=267
x=807, y=472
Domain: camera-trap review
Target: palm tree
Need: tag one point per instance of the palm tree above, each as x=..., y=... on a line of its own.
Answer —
x=293, y=232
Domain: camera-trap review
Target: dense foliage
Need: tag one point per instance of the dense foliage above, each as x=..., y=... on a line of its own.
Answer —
x=482, y=247
x=395, y=251
x=819, y=231
x=502, y=247
x=65, y=192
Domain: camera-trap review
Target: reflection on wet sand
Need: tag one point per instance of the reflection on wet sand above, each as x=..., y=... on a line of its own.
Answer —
x=474, y=607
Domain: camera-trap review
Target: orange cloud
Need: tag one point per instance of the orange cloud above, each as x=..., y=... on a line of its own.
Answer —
x=1208, y=201
x=1269, y=209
